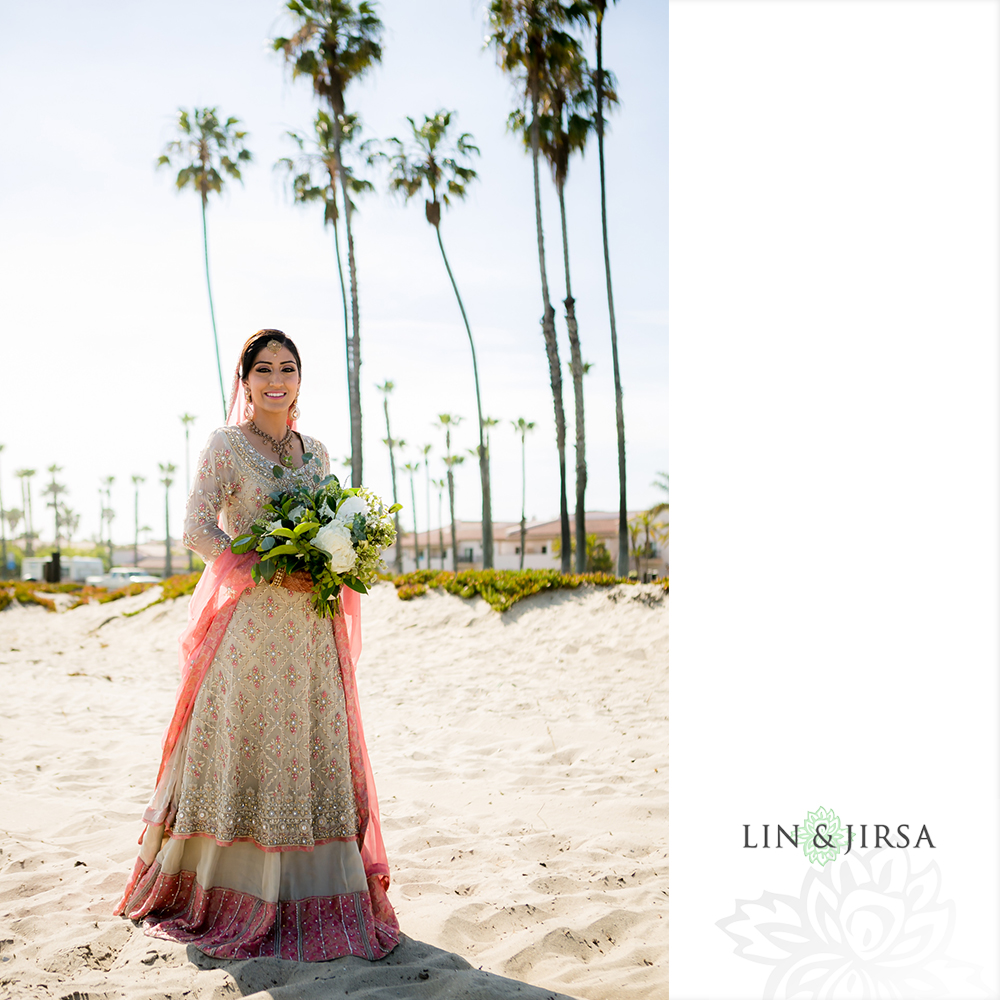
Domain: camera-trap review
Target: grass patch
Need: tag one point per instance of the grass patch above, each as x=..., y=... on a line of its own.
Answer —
x=104, y=596
x=500, y=588
x=176, y=586
x=29, y=593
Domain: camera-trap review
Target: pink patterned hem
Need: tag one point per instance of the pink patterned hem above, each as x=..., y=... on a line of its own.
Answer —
x=225, y=923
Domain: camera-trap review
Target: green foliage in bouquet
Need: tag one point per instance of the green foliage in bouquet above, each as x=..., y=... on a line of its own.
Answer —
x=336, y=535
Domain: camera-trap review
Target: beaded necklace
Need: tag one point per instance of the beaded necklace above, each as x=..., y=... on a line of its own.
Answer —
x=282, y=448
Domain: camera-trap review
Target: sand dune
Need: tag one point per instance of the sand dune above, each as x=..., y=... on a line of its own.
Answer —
x=522, y=772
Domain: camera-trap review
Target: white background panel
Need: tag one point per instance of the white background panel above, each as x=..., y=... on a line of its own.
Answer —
x=835, y=450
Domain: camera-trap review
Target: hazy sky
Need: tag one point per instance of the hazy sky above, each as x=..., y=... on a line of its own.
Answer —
x=103, y=295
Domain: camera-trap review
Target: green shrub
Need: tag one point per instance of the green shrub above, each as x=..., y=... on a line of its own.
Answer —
x=25, y=593
x=500, y=588
x=175, y=586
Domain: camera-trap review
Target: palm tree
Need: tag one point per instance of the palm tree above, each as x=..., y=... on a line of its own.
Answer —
x=392, y=444
x=29, y=525
x=71, y=522
x=644, y=523
x=320, y=155
x=439, y=485
x=522, y=426
x=522, y=32
x=662, y=482
x=448, y=421
x=187, y=420
x=334, y=44
x=107, y=514
x=3, y=529
x=13, y=516
x=206, y=147
x=167, y=480
x=564, y=126
x=600, y=7
x=425, y=451
x=411, y=468
x=55, y=490
x=435, y=164
x=633, y=531
x=137, y=480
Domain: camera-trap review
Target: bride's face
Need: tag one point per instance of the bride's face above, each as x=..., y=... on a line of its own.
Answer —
x=273, y=381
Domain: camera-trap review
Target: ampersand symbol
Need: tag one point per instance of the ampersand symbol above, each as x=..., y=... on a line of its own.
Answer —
x=827, y=842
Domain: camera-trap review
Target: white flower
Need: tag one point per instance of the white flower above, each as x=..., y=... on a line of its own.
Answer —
x=295, y=514
x=272, y=525
x=335, y=539
x=350, y=506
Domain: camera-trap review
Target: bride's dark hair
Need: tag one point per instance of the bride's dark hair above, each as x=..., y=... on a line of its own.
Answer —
x=257, y=341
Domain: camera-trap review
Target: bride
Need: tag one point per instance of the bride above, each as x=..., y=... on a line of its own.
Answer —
x=262, y=835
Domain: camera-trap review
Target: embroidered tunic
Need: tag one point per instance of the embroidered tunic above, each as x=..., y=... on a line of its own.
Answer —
x=258, y=799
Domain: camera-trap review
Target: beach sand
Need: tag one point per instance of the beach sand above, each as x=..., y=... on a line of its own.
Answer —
x=521, y=763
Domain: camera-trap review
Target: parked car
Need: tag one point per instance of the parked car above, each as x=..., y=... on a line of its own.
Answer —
x=121, y=576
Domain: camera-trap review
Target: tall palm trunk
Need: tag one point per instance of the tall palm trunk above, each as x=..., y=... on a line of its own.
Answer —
x=483, y=451
x=187, y=483
x=549, y=332
x=576, y=365
x=211, y=304
x=524, y=493
x=440, y=527
x=354, y=350
x=451, y=509
x=3, y=535
x=413, y=500
x=427, y=476
x=619, y=411
x=135, y=544
x=451, y=499
x=168, y=566
x=100, y=524
x=30, y=547
x=398, y=560
x=347, y=327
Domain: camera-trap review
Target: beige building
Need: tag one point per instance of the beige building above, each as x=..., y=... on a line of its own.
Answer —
x=469, y=539
x=542, y=545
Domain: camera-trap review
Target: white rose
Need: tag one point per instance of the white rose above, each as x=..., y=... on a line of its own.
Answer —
x=273, y=525
x=335, y=539
x=295, y=514
x=350, y=506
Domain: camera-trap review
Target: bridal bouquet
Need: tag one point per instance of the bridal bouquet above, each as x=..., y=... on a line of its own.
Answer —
x=337, y=535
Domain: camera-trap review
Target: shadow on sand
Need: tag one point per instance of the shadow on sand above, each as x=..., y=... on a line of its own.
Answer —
x=413, y=969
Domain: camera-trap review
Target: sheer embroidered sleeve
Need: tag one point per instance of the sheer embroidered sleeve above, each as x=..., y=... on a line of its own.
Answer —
x=324, y=457
x=213, y=483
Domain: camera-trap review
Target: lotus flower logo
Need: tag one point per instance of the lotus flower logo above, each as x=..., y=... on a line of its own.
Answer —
x=865, y=926
x=824, y=836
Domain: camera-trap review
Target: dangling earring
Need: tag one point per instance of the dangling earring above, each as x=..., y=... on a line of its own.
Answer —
x=247, y=406
x=294, y=412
